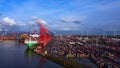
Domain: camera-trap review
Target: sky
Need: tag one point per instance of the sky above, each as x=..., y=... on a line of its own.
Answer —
x=61, y=15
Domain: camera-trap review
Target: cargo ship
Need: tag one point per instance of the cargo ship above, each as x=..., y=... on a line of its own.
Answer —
x=42, y=40
x=32, y=42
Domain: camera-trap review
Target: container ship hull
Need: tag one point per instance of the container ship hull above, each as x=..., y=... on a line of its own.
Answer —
x=31, y=44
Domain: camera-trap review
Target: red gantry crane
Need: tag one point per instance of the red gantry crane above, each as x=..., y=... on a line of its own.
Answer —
x=45, y=36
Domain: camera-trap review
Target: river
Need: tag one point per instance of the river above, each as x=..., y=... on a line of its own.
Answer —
x=16, y=55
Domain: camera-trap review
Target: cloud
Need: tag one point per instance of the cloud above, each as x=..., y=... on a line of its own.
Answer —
x=32, y=23
x=0, y=29
x=43, y=22
x=65, y=28
x=11, y=22
x=73, y=19
x=22, y=24
x=54, y=27
x=12, y=25
x=40, y=21
x=63, y=20
x=8, y=21
x=77, y=22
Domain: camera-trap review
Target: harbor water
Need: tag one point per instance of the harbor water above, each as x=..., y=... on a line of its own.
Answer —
x=16, y=55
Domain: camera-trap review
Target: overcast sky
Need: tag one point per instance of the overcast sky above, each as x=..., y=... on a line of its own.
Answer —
x=82, y=15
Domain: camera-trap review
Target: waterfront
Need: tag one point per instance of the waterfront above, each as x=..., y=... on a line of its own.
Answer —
x=15, y=55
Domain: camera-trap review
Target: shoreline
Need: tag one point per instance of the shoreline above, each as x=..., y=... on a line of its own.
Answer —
x=65, y=62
